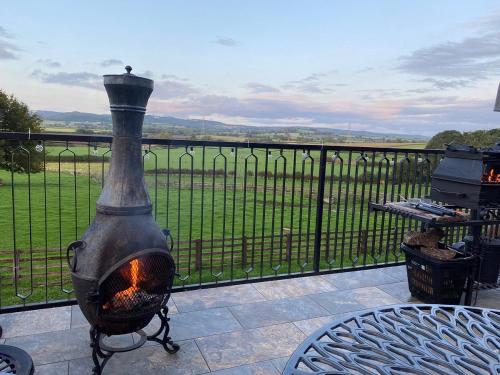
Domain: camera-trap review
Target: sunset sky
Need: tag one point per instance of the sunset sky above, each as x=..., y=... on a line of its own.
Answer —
x=414, y=67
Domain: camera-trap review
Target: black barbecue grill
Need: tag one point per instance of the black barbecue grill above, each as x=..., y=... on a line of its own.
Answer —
x=468, y=177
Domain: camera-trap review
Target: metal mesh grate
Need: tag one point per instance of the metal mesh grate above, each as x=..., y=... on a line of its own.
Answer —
x=137, y=287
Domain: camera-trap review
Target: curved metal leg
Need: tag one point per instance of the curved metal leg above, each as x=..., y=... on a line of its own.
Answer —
x=101, y=352
x=166, y=341
x=97, y=353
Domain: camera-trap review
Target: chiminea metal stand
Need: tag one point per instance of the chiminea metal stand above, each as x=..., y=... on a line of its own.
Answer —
x=101, y=352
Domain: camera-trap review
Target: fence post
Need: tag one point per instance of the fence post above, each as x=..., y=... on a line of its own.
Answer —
x=363, y=242
x=288, y=244
x=244, y=252
x=197, y=255
x=319, y=209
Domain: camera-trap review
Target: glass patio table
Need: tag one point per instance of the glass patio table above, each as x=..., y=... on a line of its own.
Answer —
x=404, y=339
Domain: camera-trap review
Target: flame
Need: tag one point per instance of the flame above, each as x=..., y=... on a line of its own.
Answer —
x=492, y=176
x=121, y=297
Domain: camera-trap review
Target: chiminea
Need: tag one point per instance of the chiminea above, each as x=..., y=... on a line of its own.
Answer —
x=122, y=270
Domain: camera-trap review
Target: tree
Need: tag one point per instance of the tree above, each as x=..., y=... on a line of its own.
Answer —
x=15, y=116
x=478, y=138
x=440, y=140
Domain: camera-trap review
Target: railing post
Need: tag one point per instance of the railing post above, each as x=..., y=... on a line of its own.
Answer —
x=197, y=255
x=288, y=244
x=319, y=209
x=244, y=252
x=363, y=242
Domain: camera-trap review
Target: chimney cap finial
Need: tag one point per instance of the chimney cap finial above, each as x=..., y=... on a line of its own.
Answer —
x=128, y=68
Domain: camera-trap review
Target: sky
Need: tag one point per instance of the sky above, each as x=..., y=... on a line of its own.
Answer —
x=409, y=67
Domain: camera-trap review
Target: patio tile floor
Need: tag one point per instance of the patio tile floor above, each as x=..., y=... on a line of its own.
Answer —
x=268, y=313
x=245, y=329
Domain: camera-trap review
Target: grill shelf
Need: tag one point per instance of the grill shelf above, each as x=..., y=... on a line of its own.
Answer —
x=429, y=220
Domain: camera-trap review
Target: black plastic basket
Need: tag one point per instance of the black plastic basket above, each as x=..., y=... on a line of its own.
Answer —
x=436, y=281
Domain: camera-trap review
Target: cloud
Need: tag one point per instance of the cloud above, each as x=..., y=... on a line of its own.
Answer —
x=173, y=77
x=312, y=84
x=169, y=89
x=425, y=115
x=421, y=90
x=260, y=88
x=147, y=74
x=488, y=23
x=226, y=42
x=49, y=63
x=264, y=110
x=5, y=34
x=472, y=58
x=435, y=114
x=447, y=84
x=111, y=62
x=80, y=79
x=313, y=77
x=7, y=49
x=382, y=94
x=365, y=70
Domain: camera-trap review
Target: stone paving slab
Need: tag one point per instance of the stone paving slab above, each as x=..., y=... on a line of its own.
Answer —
x=354, y=299
x=297, y=287
x=194, y=324
x=203, y=323
x=77, y=318
x=261, y=368
x=54, y=346
x=400, y=291
x=59, y=368
x=489, y=298
x=308, y=326
x=216, y=297
x=361, y=279
x=259, y=314
x=35, y=321
x=148, y=360
x=280, y=363
x=398, y=272
x=250, y=346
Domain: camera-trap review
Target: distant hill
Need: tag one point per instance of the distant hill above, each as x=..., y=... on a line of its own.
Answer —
x=214, y=126
x=148, y=119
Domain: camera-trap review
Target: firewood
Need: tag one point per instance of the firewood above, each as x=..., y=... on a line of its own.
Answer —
x=441, y=254
x=427, y=239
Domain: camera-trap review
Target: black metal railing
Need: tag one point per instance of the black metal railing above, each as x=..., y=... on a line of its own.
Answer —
x=238, y=212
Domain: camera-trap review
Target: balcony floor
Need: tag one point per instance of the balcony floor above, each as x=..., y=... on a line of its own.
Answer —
x=244, y=329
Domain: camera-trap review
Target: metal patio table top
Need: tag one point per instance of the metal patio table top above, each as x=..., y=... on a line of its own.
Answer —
x=15, y=361
x=404, y=339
